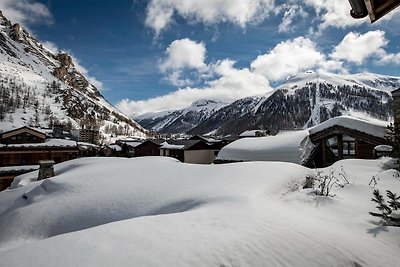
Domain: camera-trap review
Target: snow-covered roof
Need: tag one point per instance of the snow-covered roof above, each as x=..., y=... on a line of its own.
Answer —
x=383, y=148
x=18, y=168
x=115, y=147
x=49, y=143
x=86, y=144
x=130, y=143
x=166, y=145
x=291, y=146
x=252, y=133
x=372, y=127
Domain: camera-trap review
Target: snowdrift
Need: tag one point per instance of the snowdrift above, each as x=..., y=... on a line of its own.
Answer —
x=159, y=212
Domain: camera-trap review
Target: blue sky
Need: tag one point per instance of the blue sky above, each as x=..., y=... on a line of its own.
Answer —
x=162, y=54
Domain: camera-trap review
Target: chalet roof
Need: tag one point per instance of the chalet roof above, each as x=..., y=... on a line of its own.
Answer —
x=205, y=139
x=131, y=143
x=370, y=127
x=49, y=143
x=18, y=169
x=36, y=131
x=252, y=133
x=396, y=92
x=291, y=146
x=179, y=144
x=115, y=147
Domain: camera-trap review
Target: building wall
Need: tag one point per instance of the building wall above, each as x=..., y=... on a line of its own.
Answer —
x=199, y=156
x=15, y=158
x=396, y=107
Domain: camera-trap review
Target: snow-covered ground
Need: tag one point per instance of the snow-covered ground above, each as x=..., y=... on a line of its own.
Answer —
x=156, y=211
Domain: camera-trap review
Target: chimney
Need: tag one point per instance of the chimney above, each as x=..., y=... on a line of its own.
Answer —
x=46, y=169
x=396, y=106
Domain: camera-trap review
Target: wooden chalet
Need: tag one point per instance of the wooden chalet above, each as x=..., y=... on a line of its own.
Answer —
x=26, y=146
x=319, y=146
x=340, y=142
x=150, y=147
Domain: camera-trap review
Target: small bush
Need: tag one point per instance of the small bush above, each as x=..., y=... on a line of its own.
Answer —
x=388, y=210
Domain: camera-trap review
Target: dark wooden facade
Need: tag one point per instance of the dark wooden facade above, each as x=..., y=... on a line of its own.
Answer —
x=337, y=142
x=149, y=148
x=396, y=106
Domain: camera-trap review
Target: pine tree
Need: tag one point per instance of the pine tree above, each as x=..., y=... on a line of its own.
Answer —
x=393, y=138
x=386, y=210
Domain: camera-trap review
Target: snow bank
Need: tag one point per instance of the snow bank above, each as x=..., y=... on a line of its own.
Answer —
x=158, y=212
x=291, y=146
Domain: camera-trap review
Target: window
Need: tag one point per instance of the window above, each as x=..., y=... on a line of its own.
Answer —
x=349, y=147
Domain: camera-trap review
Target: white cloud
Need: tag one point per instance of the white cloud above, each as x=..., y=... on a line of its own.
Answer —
x=290, y=14
x=184, y=53
x=334, y=13
x=288, y=58
x=240, y=12
x=231, y=85
x=356, y=48
x=181, y=56
x=26, y=12
x=52, y=47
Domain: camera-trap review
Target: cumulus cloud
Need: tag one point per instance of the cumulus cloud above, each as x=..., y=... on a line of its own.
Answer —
x=240, y=12
x=181, y=56
x=289, y=16
x=231, y=84
x=288, y=58
x=184, y=53
x=26, y=12
x=334, y=13
x=356, y=48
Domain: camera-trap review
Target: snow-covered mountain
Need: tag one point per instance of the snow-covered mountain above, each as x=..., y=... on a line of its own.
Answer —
x=182, y=120
x=302, y=101
x=42, y=88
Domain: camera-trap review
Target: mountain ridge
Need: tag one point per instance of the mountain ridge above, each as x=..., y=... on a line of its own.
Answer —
x=301, y=101
x=42, y=88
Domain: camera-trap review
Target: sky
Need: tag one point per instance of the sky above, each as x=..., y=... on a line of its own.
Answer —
x=147, y=56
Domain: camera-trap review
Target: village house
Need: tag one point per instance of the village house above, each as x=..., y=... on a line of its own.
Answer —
x=319, y=146
x=21, y=149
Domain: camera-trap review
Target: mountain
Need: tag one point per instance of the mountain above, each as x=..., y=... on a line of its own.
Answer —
x=302, y=101
x=41, y=88
x=182, y=120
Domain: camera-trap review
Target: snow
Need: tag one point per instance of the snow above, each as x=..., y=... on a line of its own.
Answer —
x=166, y=145
x=47, y=143
x=293, y=146
x=127, y=212
x=383, y=148
x=370, y=127
x=282, y=147
x=19, y=168
x=252, y=133
x=115, y=147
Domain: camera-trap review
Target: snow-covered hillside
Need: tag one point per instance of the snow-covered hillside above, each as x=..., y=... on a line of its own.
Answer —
x=41, y=88
x=243, y=214
x=302, y=101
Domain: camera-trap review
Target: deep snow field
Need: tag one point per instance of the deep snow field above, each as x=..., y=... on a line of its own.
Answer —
x=157, y=211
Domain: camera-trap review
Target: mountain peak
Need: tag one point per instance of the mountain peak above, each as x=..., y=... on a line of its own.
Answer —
x=53, y=89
